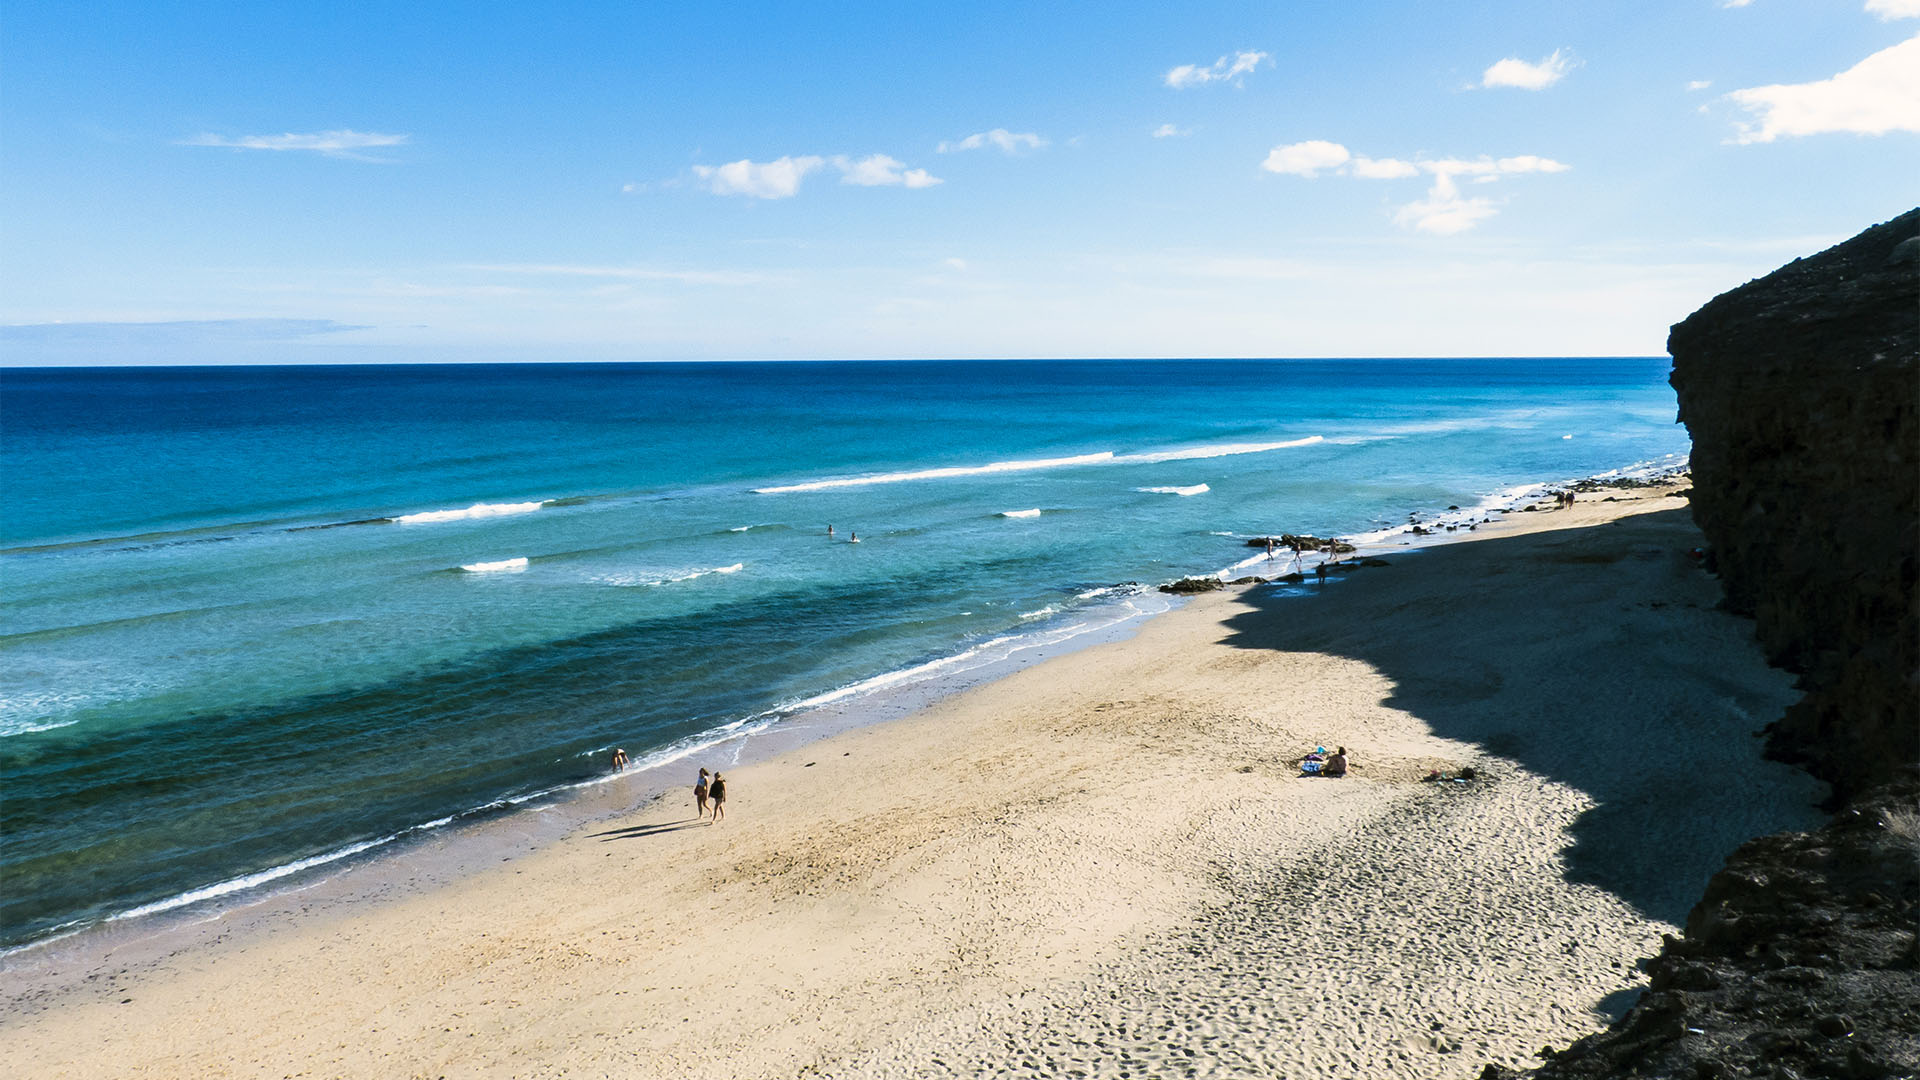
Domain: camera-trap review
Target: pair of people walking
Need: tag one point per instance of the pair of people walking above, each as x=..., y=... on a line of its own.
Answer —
x=714, y=791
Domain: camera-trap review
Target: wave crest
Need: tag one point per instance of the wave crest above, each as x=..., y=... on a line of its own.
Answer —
x=477, y=510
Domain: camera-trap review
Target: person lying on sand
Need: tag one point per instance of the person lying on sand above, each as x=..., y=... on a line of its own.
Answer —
x=717, y=791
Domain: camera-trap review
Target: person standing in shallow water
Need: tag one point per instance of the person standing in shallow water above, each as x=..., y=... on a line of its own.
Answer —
x=717, y=791
x=700, y=795
x=619, y=759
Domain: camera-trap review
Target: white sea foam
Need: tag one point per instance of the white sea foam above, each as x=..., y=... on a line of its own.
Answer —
x=502, y=566
x=1040, y=614
x=28, y=727
x=1195, y=453
x=942, y=473
x=30, y=711
x=248, y=881
x=1107, y=457
x=642, y=581
x=477, y=510
x=1020, y=513
x=1197, y=489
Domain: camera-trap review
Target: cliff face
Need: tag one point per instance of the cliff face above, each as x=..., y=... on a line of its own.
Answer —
x=1802, y=393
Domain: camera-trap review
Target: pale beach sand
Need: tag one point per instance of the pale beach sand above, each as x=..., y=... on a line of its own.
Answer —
x=1104, y=865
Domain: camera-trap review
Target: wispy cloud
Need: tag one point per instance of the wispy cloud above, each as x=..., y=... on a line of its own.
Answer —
x=1444, y=211
x=1735, y=3
x=343, y=143
x=1232, y=68
x=1873, y=97
x=776, y=179
x=1168, y=131
x=1894, y=9
x=182, y=332
x=627, y=273
x=1307, y=159
x=1520, y=75
x=879, y=170
x=1699, y=84
x=1008, y=142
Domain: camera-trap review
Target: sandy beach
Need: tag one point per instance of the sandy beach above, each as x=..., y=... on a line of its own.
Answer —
x=1105, y=865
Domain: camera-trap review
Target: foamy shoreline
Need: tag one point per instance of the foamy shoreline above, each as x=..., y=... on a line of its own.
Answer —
x=1014, y=880
x=875, y=700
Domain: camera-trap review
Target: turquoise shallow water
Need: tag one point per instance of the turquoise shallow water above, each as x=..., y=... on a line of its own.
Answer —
x=255, y=616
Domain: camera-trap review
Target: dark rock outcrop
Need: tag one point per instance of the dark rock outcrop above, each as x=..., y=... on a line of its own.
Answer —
x=1303, y=542
x=1187, y=586
x=1802, y=393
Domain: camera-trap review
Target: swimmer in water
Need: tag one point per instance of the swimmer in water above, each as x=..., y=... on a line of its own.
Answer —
x=829, y=530
x=853, y=538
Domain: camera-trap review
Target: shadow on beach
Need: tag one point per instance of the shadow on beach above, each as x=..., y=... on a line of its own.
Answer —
x=1595, y=657
x=635, y=832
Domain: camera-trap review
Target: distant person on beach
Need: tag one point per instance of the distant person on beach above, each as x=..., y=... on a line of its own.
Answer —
x=700, y=794
x=718, y=792
x=619, y=759
x=1270, y=547
x=1337, y=764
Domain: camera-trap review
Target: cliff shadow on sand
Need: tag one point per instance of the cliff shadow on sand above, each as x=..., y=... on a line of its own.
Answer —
x=1597, y=658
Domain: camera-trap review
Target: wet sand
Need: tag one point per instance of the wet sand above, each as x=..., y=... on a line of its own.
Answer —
x=1103, y=865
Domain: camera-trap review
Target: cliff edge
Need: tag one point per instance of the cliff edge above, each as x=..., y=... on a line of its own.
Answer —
x=1802, y=393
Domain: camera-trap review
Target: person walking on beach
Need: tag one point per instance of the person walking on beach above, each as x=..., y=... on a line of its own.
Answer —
x=718, y=792
x=700, y=795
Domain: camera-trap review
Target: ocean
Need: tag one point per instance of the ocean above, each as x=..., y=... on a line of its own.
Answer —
x=259, y=619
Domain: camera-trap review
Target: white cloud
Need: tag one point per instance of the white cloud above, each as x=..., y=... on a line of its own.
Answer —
x=1699, y=84
x=1168, y=131
x=1521, y=75
x=621, y=273
x=342, y=143
x=954, y=264
x=1735, y=3
x=1444, y=211
x=776, y=179
x=879, y=170
x=1875, y=96
x=1384, y=168
x=1306, y=158
x=1895, y=9
x=1227, y=68
x=1528, y=163
x=1009, y=142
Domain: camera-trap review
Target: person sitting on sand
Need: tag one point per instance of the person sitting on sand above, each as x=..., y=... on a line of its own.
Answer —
x=1337, y=764
x=718, y=793
x=619, y=759
x=700, y=794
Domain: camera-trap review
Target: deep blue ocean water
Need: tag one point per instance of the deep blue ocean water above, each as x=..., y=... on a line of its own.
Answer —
x=259, y=615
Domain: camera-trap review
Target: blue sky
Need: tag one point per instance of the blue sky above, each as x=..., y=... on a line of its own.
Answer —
x=327, y=183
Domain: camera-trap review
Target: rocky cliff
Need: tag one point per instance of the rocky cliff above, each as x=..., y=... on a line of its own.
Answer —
x=1802, y=393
